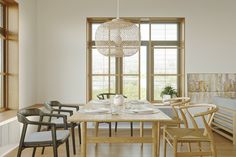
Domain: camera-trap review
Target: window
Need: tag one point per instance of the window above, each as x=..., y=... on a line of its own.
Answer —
x=159, y=62
x=8, y=55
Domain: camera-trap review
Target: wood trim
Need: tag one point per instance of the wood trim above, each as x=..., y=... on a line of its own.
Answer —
x=120, y=140
x=138, y=19
x=180, y=45
x=9, y=2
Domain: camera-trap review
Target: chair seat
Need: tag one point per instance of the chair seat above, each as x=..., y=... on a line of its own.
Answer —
x=187, y=134
x=45, y=138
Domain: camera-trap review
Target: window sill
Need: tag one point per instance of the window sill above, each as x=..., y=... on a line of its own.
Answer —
x=10, y=115
x=7, y=116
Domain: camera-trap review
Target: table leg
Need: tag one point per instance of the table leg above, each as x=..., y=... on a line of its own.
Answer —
x=154, y=139
x=158, y=138
x=141, y=131
x=96, y=128
x=84, y=140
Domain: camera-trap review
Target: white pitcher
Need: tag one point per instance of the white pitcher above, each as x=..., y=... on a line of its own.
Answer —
x=118, y=99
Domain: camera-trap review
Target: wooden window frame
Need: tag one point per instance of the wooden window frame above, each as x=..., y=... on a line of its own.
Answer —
x=180, y=43
x=9, y=71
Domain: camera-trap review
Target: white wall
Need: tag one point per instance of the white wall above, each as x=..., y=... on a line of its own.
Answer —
x=27, y=53
x=10, y=130
x=61, y=38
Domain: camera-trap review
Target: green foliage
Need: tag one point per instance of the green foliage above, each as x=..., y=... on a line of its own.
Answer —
x=168, y=90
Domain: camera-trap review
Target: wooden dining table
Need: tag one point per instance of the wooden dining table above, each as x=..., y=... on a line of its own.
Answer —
x=157, y=118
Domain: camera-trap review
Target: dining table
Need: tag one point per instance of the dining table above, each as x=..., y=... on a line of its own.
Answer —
x=93, y=113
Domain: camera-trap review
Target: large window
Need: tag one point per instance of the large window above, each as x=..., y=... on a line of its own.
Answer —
x=159, y=62
x=8, y=55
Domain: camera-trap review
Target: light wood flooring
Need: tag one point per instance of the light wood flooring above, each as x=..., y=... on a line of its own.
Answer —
x=225, y=148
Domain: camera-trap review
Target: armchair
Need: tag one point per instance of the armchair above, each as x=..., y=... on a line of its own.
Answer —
x=50, y=106
x=52, y=138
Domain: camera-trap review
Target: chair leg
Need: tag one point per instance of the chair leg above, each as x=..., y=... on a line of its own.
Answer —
x=73, y=138
x=43, y=150
x=96, y=128
x=19, y=151
x=55, y=153
x=116, y=124
x=131, y=128
x=189, y=147
x=175, y=144
x=164, y=143
x=110, y=129
x=200, y=147
x=213, y=149
x=67, y=148
x=79, y=132
x=34, y=150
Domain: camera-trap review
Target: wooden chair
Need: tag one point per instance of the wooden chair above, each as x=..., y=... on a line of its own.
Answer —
x=173, y=136
x=52, y=138
x=55, y=106
x=61, y=106
x=175, y=104
x=104, y=96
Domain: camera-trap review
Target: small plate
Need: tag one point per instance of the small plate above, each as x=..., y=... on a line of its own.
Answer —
x=145, y=110
x=100, y=102
x=95, y=110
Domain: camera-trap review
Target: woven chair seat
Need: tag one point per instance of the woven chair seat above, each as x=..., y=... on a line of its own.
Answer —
x=187, y=134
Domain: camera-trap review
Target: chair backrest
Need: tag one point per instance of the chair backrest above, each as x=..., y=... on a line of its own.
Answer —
x=210, y=110
x=48, y=106
x=175, y=104
x=55, y=103
x=24, y=113
x=103, y=96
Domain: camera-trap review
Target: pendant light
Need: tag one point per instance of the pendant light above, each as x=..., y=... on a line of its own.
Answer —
x=118, y=37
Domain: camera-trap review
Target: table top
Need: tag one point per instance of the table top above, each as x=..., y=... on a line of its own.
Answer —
x=158, y=115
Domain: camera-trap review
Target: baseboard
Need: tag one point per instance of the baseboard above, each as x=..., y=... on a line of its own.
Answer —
x=8, y=150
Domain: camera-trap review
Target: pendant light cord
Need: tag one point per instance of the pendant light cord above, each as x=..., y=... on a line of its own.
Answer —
x=118, y=9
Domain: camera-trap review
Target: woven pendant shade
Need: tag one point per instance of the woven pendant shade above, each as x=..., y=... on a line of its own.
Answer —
x=118, y=38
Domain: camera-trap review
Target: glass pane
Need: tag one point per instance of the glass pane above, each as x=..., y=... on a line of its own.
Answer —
x=160, y=82
x=112, y=65
x=143, y=70
x=165, y=61
x=144, y=31
x=94, y=28
x=112, y=84
x=164, y=32
x=131, y=64
x=99, y=63
x=99, y=85
x=130, y=87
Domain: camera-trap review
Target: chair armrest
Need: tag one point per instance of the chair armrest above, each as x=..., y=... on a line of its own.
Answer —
x=57, y=116
x=62, y=110
x=41, y=123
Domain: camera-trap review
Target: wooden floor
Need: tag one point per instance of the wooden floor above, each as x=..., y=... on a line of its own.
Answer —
x=225, y=148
